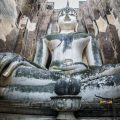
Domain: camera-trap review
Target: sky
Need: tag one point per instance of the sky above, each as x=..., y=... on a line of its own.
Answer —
x=62, y=3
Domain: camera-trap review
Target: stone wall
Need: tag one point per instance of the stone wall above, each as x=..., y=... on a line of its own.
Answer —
x=21, y=21
x=44, y=21
x=8, y=28
x=102, y=19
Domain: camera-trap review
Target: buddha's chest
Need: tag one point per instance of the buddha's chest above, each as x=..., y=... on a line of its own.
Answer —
x=63, y=45
x=67, y=47
x=67, y=44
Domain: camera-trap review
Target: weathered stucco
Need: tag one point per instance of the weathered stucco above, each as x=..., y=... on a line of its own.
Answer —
x=27, y=90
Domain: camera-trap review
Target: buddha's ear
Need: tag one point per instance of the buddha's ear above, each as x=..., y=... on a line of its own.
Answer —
x=76, y=27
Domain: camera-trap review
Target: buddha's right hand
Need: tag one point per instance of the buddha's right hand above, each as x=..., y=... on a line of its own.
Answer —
x=9, y=62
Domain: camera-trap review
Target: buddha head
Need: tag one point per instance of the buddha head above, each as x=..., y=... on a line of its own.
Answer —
x=67, y=19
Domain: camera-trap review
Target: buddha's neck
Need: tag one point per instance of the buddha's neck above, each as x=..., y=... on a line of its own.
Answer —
x=67, y=31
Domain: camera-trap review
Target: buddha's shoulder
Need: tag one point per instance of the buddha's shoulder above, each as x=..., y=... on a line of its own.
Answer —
x=80, y=35
x=55, y=36
x=62, y=36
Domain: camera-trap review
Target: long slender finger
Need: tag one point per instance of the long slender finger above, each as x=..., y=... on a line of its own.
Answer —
x=11, y=68
x=5, y=61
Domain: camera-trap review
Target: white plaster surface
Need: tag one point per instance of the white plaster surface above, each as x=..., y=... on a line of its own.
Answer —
x=31, y=26
x=30, y=81
x=23, y=21
x=102, y=24
x=75, y=52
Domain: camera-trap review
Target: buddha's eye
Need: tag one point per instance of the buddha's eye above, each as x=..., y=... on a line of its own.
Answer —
x=72, y=14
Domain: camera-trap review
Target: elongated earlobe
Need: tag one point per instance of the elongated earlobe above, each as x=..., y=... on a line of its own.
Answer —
x=58, y=28
x=76, y=28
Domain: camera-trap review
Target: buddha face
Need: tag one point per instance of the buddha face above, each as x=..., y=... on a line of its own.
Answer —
x=67, y=20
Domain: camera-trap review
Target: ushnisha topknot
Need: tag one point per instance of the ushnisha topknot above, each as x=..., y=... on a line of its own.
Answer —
x=67, y=10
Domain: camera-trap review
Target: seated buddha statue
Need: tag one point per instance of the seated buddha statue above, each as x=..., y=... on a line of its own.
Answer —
x=74, y=57
x=68, y=48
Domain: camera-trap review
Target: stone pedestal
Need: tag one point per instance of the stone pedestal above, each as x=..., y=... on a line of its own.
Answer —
x=66, y=105
x=66, y=116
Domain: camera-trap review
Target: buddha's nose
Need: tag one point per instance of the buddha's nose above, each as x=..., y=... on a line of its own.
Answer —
x=67, y=18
